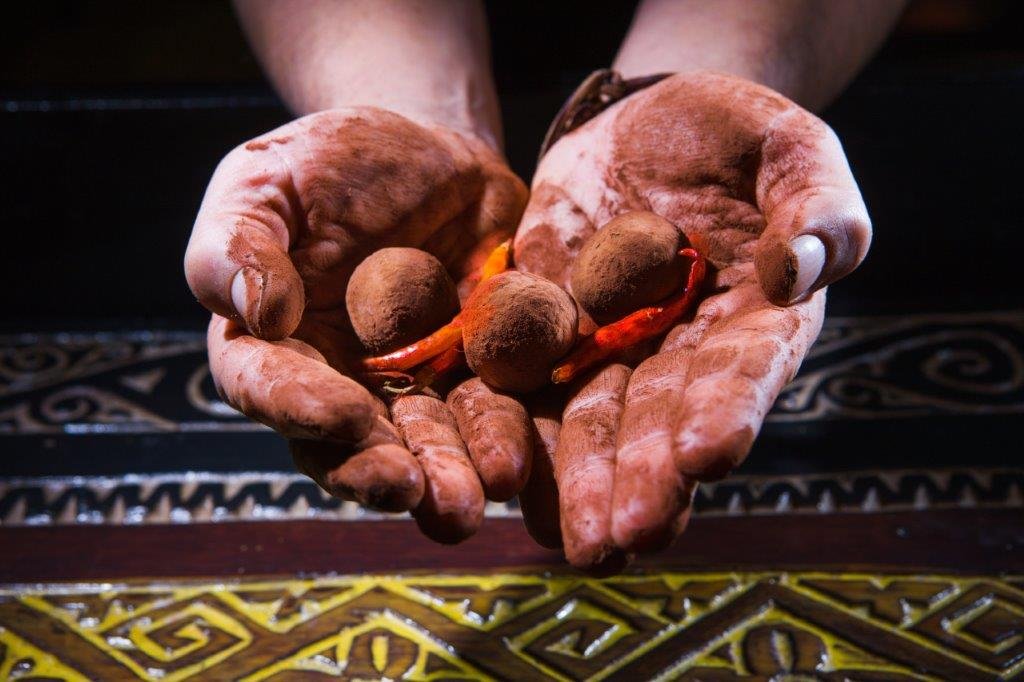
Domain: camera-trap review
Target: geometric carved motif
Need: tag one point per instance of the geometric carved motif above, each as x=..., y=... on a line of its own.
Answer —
x=215, y=497
x=859, y=368
x=691, y=626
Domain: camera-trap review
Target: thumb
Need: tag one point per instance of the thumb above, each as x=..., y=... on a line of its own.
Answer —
x=237, y=261
x=818, y=228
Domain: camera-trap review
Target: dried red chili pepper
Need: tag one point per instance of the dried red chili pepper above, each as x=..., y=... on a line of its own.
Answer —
x=638, y=326
x=419, y=352
x=497, y=261
x=442, y=364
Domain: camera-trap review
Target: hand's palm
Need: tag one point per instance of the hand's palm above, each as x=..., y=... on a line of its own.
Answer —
x=286, y=219
x=738, y=169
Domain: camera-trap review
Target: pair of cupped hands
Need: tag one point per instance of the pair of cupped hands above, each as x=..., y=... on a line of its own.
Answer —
x=607, y=467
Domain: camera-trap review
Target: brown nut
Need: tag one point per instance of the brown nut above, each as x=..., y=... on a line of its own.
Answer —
x=516, y=326
x=630, y=263
x=397, y=296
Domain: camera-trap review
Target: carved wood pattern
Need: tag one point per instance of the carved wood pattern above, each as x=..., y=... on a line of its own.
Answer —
x=190, y=497
x=860, y=368
x=693, y=626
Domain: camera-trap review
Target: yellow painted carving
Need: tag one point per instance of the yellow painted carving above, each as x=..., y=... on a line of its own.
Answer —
x=266, y=613
x=386, y=635
x=311, y=657
x=139, y=634
x=44, y=664
x=838, y=653
x=457, y=611
x=960, y=585
x=956, y=625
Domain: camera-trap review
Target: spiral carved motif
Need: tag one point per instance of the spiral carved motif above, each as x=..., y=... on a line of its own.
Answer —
x=871, y=369
x=860, y=368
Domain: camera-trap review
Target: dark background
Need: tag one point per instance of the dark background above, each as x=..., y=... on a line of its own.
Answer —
x=113, y=115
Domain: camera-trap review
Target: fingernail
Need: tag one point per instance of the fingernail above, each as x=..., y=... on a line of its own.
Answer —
x=245, y=292
x=809, y=254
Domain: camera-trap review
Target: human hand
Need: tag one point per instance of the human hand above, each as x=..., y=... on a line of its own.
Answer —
x=286, y=219
x=763, y=189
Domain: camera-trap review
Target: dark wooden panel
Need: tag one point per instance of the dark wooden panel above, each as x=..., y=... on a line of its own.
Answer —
x=986, y=541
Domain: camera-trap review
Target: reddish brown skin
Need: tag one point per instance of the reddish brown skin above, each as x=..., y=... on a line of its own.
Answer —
x=452, y=507
x=515, y=327
x=271, y=309
x=399, y=295
x=741, y=171
x=383, y=477
x=296, y=210
x=378, y=472
x=585, y=461
x=630, y=263
x=260, y=379
x=496, y=430
x=538, y=500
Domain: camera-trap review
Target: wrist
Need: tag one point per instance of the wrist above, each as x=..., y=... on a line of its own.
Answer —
x=424, y=59
x=795, y=47
x=461, y=111
x=459, y=103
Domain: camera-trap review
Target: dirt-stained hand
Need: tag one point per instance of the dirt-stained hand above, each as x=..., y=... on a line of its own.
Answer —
x=764, y=190
x=286, y=219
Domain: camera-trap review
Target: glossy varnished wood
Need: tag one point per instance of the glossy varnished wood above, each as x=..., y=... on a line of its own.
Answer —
x=508, y=625
x=985, y=541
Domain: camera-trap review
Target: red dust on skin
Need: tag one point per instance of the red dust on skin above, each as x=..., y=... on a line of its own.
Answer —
x=558, y=229
x=495, y=428
x=287, y=385
x=260, y=145
x=585, y=468
x=452, y=507
x=296, y=210
x=538, y=500
x=742, y=171
x=378, y=472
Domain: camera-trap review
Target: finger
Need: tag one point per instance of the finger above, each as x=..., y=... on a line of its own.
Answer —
x=651, y=500
x=818, y=229
x=384, y=476
x=585, y=469
x=650, y=492
x=538, y=500
x=497, y=432
x=452, y=507
x=237, y=261
x=381, y=474
x=734, y=377
x=287, y=386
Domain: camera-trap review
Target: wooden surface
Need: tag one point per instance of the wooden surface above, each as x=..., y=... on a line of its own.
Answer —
x=521, y=626
x=149, y=532
x=882, y=596
x=953, y=541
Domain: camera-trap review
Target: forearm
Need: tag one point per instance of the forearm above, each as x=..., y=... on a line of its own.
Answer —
x=426, y=59
x=806, y=49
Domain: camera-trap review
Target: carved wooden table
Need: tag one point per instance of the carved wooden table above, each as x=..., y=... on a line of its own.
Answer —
x=176, y=543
